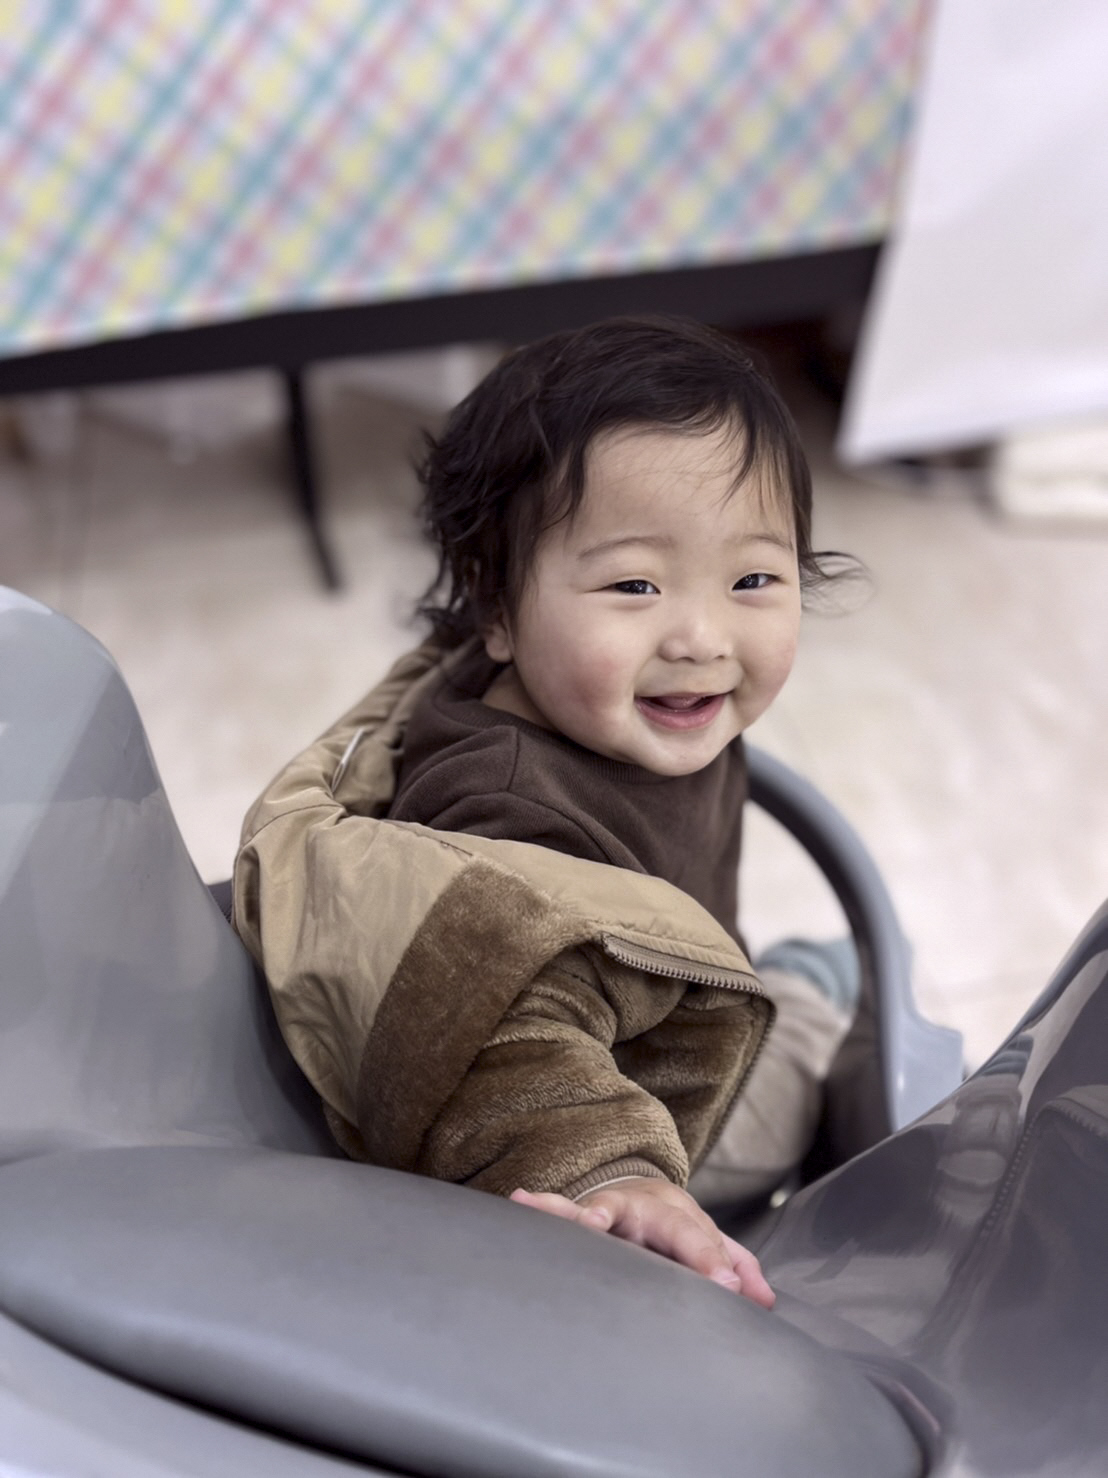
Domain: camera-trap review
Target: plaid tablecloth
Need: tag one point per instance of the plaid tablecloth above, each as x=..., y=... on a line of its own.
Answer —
x=167, y=162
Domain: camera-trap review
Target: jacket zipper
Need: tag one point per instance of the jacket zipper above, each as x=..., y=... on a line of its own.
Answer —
x=640, y=956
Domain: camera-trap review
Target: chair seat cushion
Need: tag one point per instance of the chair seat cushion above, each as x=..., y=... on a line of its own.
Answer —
x=406, y=1322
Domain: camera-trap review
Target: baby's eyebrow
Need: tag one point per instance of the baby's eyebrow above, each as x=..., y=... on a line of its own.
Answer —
x=664, y=541
x=621, y=541
x=766, y=537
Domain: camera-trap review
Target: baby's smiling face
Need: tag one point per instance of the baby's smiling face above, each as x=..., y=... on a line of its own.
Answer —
x=662, y=619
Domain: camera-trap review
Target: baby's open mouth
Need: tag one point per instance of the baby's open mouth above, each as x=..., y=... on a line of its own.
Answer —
x=682, y=700
x=681, y=710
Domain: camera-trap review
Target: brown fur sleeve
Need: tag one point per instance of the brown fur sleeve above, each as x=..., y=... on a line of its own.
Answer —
x=696, y=1060
x=544, y=1106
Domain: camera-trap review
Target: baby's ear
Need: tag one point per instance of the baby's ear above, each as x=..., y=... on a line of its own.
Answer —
x=497, y=638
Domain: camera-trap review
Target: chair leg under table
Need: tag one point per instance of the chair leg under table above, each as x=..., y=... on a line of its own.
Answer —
x=303, y=467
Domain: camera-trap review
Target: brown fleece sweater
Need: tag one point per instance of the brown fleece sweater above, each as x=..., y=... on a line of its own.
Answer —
x=474, y=769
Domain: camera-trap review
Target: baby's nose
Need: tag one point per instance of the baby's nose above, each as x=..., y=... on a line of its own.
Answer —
x=697, y=636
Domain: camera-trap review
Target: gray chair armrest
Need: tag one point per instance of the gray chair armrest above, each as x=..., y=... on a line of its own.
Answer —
x=894, y=1064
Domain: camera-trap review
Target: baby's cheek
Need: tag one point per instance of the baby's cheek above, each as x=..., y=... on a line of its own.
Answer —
x=783, y=665
x=601, y=680
x=777, y=664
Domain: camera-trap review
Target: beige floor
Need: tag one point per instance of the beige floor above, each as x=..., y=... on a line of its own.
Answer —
x=957, y=716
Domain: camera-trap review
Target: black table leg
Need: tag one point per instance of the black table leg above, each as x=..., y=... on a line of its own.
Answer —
x=303, y=468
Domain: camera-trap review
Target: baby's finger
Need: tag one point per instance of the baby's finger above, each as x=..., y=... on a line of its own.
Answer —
x=690, y=1240
x=752, y=1280
x=597, y=1217
x=707, y=1255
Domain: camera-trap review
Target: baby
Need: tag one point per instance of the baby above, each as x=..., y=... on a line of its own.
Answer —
x=622, y=515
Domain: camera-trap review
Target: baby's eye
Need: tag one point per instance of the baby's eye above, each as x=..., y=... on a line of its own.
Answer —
x=634, y=587
x=753, y=582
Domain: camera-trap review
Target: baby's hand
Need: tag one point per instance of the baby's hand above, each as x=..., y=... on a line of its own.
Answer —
x=663, y=1217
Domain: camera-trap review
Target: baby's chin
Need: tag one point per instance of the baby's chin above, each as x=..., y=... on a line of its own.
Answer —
x=674, y=769
x=664, y=760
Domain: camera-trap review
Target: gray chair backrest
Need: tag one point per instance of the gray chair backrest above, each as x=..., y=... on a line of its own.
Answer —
x=104, y=919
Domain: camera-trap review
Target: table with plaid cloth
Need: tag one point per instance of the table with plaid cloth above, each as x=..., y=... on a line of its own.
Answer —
x=172, y=165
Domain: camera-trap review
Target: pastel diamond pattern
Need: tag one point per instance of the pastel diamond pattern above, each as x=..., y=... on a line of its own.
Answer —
x=165, y=163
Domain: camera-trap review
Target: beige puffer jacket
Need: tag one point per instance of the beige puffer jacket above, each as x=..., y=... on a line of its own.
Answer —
x=486, y=1012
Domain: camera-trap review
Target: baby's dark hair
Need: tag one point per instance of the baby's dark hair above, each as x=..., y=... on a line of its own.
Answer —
x=511, y=461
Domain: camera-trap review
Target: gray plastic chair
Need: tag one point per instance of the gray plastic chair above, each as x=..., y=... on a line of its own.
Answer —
x=192, y=1283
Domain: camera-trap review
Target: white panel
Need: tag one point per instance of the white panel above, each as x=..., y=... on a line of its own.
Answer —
x=991, y=307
